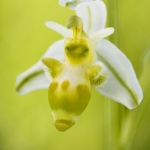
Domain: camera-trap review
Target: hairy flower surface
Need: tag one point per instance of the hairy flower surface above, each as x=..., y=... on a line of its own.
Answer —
x=82, y=60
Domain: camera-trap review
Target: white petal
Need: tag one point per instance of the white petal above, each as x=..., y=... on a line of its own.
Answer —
x=72, y=3
x=97, y=36
x=122, y=85
x=35, y=78
x=93, y=15
x=58, y=28
x=32, y=79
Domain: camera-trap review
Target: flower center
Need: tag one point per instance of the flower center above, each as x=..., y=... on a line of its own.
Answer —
x=78, y=47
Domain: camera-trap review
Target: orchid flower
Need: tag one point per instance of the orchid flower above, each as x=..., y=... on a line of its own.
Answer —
x=82, y=60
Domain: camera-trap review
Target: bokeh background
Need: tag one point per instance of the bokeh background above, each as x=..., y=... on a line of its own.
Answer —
x=26, y=122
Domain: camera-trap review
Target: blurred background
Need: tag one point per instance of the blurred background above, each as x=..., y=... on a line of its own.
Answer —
x=26, y=122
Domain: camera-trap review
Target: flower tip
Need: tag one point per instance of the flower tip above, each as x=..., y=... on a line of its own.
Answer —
x=136, y=101
x=18, y=85
x=48, y=24
x=62, y=3
x=110, y=30
x=63, y=120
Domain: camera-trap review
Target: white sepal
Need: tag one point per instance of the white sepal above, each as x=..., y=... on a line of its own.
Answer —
x=122, y=85
x=32, y=79
x=35, y=78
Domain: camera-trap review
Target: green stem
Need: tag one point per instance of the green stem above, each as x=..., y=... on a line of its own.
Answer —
x=114, y=21
x=107, y=124
x=138, y=115
x=118, y=110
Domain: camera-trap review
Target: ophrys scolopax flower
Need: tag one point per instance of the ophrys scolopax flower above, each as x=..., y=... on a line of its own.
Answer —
x=81, y=61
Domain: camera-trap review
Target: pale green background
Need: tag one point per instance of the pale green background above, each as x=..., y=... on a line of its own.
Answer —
x=26, y=122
